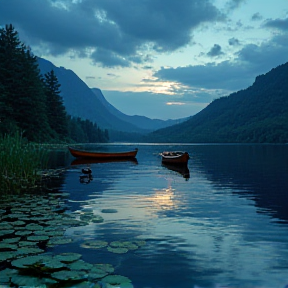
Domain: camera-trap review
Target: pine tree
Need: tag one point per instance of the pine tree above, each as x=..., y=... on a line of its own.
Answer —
x=55, y=108
x=24, y=98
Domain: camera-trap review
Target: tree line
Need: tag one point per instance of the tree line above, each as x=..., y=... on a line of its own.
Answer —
x=32, y=103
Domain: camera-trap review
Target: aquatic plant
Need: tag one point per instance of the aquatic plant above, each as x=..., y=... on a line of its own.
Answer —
x=20, y=163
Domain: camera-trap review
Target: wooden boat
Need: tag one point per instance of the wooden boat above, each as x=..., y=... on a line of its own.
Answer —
x=102, y=155
x=175, y=157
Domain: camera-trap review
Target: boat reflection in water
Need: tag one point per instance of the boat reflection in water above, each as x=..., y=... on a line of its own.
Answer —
x=180, y=168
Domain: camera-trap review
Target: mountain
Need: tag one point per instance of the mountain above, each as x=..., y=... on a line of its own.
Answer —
x=258, y=114
x=81, y=101
x=138, y=121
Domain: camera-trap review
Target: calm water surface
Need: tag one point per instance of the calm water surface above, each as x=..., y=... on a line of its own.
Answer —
x=224, y=226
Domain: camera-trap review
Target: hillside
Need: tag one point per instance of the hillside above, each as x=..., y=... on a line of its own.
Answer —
x=258, y=114
x=81, y=101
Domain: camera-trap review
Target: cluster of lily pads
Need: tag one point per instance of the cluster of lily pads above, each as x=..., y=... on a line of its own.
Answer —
x=31, y=223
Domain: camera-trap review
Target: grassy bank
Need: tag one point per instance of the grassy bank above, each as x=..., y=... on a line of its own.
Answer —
x=20, y=163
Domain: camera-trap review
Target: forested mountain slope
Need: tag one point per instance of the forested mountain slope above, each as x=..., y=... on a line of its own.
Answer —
x=258, y=114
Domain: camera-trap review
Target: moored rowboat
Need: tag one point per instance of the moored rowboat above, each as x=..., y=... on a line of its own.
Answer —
x=102, y=155
x=175, y=157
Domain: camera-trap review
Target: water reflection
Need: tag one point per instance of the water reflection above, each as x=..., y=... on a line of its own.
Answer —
x=180, y=168
x=201, y=233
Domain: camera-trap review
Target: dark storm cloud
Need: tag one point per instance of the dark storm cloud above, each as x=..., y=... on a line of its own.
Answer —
x=116, y=31
x=234, y=42
x=215, y=51
x=281, y=24
x=252, y=60
x=256, y=17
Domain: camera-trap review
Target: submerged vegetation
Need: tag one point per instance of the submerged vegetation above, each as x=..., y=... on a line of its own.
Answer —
x=20, y=163
x=31, y=223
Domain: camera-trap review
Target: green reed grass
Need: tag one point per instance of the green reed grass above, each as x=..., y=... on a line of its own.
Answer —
x=20, y=163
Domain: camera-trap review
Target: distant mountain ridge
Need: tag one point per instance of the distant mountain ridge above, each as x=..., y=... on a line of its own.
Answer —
x=258, y=114
x=81, y=101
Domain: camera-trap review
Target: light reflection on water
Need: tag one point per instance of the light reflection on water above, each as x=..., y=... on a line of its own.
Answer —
x=225, y=226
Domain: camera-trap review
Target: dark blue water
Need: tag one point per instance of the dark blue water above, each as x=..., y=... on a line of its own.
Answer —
x=224, y=226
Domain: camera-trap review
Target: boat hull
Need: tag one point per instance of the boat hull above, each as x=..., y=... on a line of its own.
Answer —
x=102, y=155
x=175, y=157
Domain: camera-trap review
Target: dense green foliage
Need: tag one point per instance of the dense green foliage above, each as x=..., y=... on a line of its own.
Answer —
x=20, y=162
x=258, y=114
x=32, y=103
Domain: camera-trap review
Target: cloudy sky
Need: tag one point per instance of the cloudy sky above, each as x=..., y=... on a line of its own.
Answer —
x=158, y=58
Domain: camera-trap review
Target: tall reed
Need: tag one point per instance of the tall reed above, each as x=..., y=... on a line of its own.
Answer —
x=20, y=163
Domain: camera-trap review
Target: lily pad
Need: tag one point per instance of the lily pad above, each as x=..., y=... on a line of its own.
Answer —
x=28, y=261
x=66, y=275
x=38, y=238
x=109, y=211
x=68, y=257
x=105, y=267
x=80, y=265
x=29, y=250
x=59, y=241
x=96, y=244
x=23, y=233
x=34, y=227
x=7, y=255
x=117, y=250
x=116, y=279
x=11, y=240
x=6, y=232
x=29, y=281
x=9, y=246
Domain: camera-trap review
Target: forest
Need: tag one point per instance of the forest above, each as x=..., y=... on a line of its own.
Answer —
x=31, y=103
x=258, y=114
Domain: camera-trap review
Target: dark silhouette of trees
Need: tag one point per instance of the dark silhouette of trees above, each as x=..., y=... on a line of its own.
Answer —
x=32, y=103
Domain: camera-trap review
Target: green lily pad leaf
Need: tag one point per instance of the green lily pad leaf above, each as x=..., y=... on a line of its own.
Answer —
x=18, y=223
x=4, y=245
x=117, y=250
x=34, y=227
x=29, y=281
x=109, y=211
x=80, y=265
x=6, y=232
x=50, y=264
x=38, y=238
x=5, y=226
x=26, y=243
x=11, y=240
x=68, y=257
x=140, y=242
x=125, y=244
x=97, y=219
x=97, y=274
x=29, y=250
x=116, y=279
x=96, y=244
x=28, y=261
x=5, y=276
x=7, y=255
x=59, y=241
x=105, y=267
x=66, y=275
x=23, y=233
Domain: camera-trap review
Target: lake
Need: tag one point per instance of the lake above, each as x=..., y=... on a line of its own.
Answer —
x=223, y=223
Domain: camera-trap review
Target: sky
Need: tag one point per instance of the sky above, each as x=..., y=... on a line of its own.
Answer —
x=164, y=59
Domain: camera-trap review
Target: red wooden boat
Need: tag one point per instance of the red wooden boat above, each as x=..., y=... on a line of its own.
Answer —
x=102, y=155
x=175, y=157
